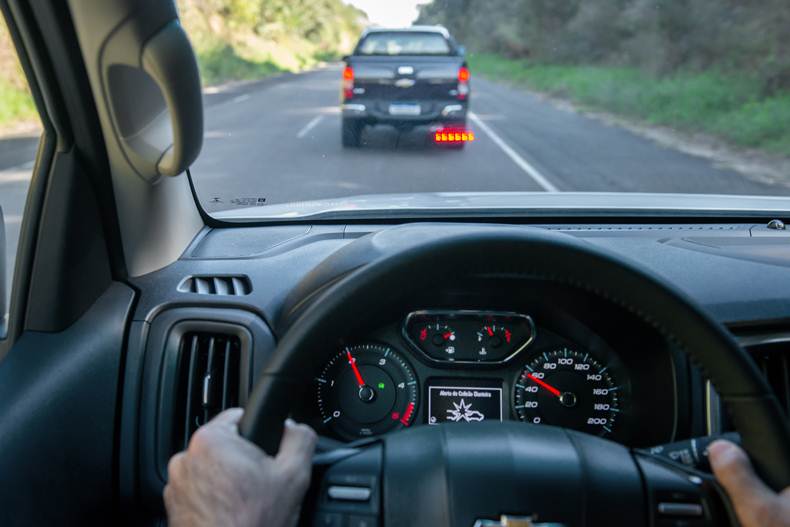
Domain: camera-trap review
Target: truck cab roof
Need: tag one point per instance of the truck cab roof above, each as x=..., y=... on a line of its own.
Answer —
x=411, y=29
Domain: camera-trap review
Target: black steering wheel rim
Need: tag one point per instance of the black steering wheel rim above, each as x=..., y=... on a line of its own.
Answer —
x=409, y=257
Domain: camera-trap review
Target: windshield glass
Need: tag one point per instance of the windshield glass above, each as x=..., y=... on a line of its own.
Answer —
x=403, y=43
x=364, y=105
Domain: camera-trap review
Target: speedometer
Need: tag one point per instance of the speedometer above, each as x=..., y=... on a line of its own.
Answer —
x=568, y=388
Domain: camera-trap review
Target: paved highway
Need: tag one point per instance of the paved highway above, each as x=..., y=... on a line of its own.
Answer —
x=278, y=140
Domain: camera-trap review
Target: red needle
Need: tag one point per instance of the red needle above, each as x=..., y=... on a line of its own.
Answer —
x=554, y=391
x=490, y=331
x=447, y=335
x=353, y=362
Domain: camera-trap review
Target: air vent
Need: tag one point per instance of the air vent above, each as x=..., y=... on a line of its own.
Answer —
x=229, y=285
x=774, y=361
x=211, y=366
x=771, y=353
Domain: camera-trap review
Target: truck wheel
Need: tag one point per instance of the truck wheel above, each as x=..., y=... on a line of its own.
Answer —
x=351, y=133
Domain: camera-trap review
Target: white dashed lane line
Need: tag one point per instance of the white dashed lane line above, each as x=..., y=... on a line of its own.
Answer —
x=309, y=126
x=530, y=170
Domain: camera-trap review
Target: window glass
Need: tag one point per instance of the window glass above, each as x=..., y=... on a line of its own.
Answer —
x=404, y=44
x=20, y=129
x=371, y=108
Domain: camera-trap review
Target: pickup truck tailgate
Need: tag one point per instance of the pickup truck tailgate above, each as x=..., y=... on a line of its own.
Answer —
x=405, y=78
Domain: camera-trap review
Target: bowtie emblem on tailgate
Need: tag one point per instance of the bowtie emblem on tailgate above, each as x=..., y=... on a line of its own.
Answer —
x=405, y=70
x=404, y=83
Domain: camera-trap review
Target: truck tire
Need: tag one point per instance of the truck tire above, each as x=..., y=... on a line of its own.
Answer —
x=351, y=133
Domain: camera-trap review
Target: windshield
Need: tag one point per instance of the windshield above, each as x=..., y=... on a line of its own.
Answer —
x=362, y=105
x=403, y=43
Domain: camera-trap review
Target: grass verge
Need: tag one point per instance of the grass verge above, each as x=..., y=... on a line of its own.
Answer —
x=725, y=106
x=15, y=105
x=221, y=63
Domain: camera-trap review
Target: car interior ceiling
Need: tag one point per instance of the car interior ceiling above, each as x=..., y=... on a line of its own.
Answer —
x=126, y=294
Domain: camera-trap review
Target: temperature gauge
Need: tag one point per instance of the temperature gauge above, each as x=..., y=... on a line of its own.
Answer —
x=492, y=338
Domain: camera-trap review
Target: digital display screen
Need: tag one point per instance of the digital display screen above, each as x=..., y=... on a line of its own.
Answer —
x=464, y=401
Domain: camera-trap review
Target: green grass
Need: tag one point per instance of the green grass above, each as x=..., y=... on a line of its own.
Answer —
x=15, y=105
x=722, y=105
x=221, y=63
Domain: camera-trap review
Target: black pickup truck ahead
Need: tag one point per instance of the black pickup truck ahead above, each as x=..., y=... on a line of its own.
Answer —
x=406, y=78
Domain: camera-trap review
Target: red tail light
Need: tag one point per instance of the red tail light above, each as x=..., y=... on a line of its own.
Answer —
x=348, y=82
x=453, y=135
x=463, y=83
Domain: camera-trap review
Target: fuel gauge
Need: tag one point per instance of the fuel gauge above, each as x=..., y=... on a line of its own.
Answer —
x=438, y=337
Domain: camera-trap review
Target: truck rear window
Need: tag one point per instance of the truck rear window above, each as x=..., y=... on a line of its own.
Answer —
x=402, y=43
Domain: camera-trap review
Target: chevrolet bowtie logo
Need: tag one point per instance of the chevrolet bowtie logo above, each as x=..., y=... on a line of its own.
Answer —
x=515, y=521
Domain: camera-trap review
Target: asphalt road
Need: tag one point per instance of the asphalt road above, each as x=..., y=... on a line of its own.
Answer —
x=278, y=140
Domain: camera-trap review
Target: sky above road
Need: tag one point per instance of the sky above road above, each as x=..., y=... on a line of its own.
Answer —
x=393, y=13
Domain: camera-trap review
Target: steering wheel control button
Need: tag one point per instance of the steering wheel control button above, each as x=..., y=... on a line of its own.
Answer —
x=336, y=492
x=515, y=521
x=328, y=519
x=686, y=510
x=361, y=521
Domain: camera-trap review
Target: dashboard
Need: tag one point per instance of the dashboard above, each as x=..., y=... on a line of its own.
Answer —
x=497, y=348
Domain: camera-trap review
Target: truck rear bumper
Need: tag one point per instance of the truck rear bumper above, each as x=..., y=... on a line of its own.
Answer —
x=377, y=112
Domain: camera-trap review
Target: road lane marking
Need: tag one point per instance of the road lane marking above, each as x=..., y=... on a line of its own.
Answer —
x=240, y=98
x=531, y=171
x=309, y=126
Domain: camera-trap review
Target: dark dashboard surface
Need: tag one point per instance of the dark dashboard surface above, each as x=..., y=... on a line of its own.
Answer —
x=561, y=357
x=738, y=272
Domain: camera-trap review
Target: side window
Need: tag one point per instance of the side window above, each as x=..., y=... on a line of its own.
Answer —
x=20, y=129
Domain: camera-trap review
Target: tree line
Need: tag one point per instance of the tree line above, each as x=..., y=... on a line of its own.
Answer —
x=660, y=36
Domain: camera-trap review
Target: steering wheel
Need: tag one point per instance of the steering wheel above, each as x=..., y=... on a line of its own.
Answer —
x=470, y=475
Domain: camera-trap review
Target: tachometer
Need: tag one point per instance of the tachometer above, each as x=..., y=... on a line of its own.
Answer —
x=367, y=390
x=568, y=388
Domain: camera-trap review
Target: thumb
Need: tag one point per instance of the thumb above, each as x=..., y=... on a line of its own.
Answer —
x=298, y=441
x=734, y=471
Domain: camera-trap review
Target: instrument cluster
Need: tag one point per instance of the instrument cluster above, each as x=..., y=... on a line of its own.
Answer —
x=467, y=366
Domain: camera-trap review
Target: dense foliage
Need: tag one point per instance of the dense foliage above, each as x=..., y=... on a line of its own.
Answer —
x=249, y=38
x=662, y=36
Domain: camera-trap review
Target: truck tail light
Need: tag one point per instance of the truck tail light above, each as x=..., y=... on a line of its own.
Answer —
x=348, y=83
x=453, y=135
x=463, y=83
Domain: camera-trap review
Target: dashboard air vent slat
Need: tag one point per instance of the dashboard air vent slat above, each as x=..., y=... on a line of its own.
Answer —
x=774, y=362
x=227, y=285
x=209, y=380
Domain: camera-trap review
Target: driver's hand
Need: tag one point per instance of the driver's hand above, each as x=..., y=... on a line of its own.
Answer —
x=224, y=480
x=755, y=504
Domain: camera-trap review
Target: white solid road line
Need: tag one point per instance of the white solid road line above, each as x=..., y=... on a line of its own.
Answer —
x=309, y=126
x=531, y=171
x=240, y=98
